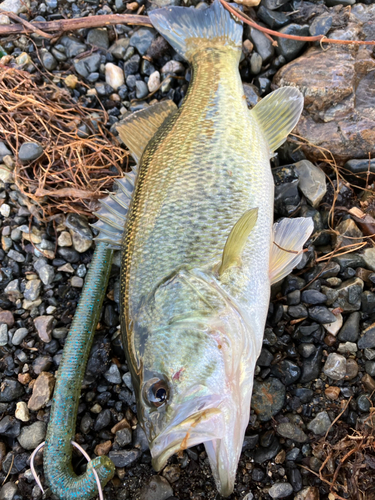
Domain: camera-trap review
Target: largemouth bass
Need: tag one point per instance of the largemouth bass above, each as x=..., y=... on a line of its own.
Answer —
x=197, y=238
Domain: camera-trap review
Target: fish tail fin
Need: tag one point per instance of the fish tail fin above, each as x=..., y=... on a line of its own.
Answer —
x=189, y=30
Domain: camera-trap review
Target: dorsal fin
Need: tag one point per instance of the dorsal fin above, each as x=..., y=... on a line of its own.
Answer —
x=237, y=239
x=138, y=129
x=278, y=114
x=289, y=236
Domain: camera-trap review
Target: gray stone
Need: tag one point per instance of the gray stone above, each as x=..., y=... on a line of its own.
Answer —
x=321, y=315
x=124, y=458
x=141, y=89
x=4, y=151
x=19, y=335
x=29, y=151
x=347, y=295
x=118, y=49
x=335, y=366
x=321, y=25
x=113, y=374
x=15, y=6
x=350, y=330
x=273, y=19
x=367, y=341
x=131, y=67
x=10, y=427
x=291, y=48
x=77, y=282
x=268, y=398
x=273, y=4
x=252, y=94
x=320, y=424
x=17, y=256
x=347, y=348
x=360, y=166
x=123, y=437
x=255, y=63
x=79, y=224
x=32, y=289
x=73, y=46
x=3, y=334
x=313, y=297
x=311, y=367
x=347, y=230
x=264, y=454
x=291, y=431
x=332, y=3
x=48, y=61
x=32, y=435
x=13, y=290
x=312, y=181
x=369, y=258
x=87, y=65
x=157, y=488
x=8, y=491
x=10, y=390
x=44, y=325
x=261, y=43
x=142, y=39
x=280, y=490
x=98, y=37
x=80, y=244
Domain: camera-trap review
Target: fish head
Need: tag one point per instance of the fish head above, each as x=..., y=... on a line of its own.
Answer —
x=196, y=384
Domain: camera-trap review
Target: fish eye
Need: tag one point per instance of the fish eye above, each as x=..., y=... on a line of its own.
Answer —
x=156, y=392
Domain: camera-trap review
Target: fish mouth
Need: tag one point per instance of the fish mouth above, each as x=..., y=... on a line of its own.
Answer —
x=202, y=426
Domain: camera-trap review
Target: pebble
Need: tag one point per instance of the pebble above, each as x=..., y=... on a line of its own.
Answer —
x=4, y=151
x=313, y=297
x=42, y=391
x=173, y=67
x=157, y=488
x=123, y=437
x=48, y=61
x=334, y=327
x=103, y=448
x=320, y=424
x=367, y=341
x=142, y=39
x=368, y=382
x=124, y=458
x=10, y=390
x=256, y=62
x=274, y=19
x=268, y=398
x=87, y=65
x=348, y=230
x=8, y=490
x=15, y=6
x=369, y=258
x=347, y=348
x=291, y=48
x=29, y=151
x=80, y=244
x=141, y=89
x=154, y=81
x=114, y=76
x=64, y=240
x=32, y=289
x=267, y=453
x=309, y=493
x=332, y=392
x=19, y=335
x=350, y=331
x=98, y=37
x=370, y=368
x=280, y=490
x=312, y=181
x=287, y=371
x=364, y=403
x=261, y=43
x=10, y=427
x=3, y=334
x=321, y=314
x=72, y=45
x=5, y=210
x=118, y=49
x=321, y=25
x=311, y=367
x=44, y=326
x=113, y=374
x=7, y=318
x=31, y=436
x=76, y=282
x=22, y=412
x=45, y=271
x=352, y=369
x=69, y=254
x=335, y=366
x=291, y=431
x=78, y=224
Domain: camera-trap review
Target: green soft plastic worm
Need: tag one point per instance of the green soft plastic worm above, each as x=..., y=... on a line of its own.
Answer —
x=58, y=469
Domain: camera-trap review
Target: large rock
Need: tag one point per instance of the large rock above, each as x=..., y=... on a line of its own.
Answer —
x=337, y=84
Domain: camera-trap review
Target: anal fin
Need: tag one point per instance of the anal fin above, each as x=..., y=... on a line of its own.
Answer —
x=289, y=236
x=138, y=129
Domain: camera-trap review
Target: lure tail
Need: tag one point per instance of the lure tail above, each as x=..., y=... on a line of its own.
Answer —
x=191, y=30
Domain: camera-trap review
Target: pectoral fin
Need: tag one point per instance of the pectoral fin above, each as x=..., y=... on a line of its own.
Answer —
x=237, y=239
x=278, y=114
x=289, y=236
x=138, y=129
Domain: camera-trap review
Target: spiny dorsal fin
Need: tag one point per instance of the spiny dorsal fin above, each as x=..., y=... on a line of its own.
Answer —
x=113, y=212
x=139, y=128
x=278, y=114
x=237, y=239
x=289, y=235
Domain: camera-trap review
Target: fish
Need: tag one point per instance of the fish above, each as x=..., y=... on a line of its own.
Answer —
x=194, y=223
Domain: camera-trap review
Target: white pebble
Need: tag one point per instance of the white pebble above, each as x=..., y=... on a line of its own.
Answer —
x=5, y=210
x=114, y=76
x=22, y=412
x=154, y=81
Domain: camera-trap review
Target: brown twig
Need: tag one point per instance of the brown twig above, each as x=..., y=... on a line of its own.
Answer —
x=25, y=23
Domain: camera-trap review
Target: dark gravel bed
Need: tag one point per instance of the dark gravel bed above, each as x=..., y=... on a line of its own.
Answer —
x=315, y=376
